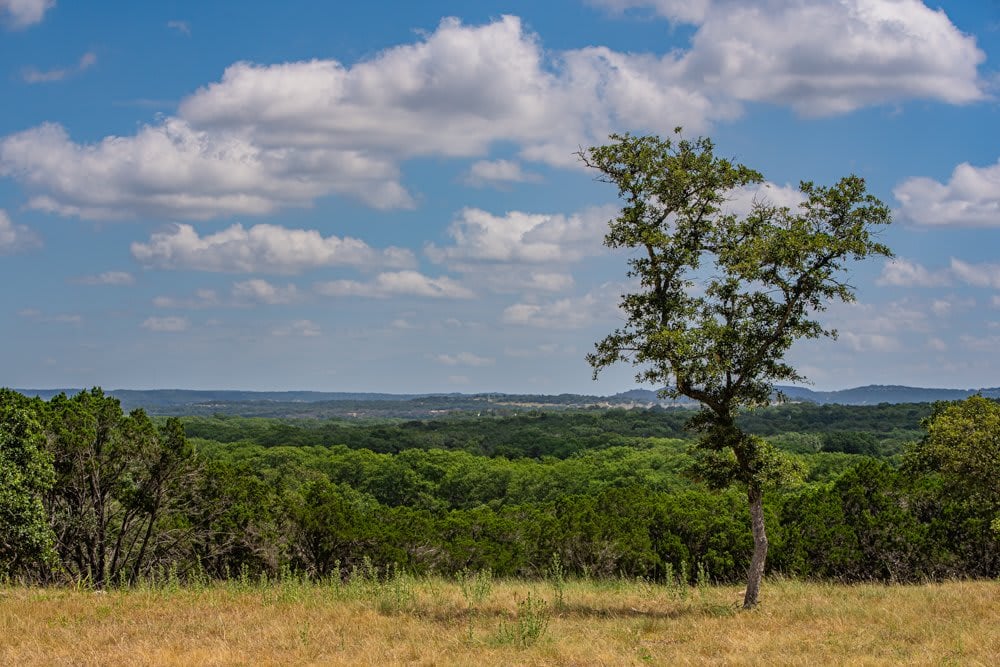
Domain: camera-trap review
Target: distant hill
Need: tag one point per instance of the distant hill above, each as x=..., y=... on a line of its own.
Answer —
x=874, y=394
x=367, y=404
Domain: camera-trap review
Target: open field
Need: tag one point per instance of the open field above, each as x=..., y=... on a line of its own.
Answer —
x=430, y=621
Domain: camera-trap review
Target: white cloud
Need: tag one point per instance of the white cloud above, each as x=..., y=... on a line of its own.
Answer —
x=824, y=57
x=857, y=323
x=970, y=198
x=498, y=173
x=519, y=237
x=741, y=200
x=203, y=298
x=20, y=14
x=546, y=281
x=464, y=359
x=995, y=301
x=977, y=275
x=107, y=278
x=901, y=272
x=168, y=324
x=941, y=307
x=15, y=238
x=183, y=27
x=261, y=291
x=869, y=342
x=261, y=249
x=402, y=324
x=33, y=75
x=272, y=136
x=948, y=307
x=397, y=283
x=306, y=328
x=904, y=273
x=174, y=170
x=569, y=313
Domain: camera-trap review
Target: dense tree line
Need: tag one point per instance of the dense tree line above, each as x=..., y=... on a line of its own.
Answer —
x=90, y=494
x=799, y=427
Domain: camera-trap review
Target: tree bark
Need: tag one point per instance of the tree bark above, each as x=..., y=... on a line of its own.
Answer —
x=756, y=572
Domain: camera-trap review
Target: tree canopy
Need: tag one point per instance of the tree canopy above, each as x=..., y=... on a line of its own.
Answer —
x=722, y=295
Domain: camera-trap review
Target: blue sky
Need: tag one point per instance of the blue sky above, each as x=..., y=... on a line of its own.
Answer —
x=384, y=196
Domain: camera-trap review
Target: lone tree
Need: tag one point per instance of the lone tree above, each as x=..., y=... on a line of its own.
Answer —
x=721, y=297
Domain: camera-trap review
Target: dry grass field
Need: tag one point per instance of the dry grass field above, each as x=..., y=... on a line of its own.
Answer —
x=481, y=622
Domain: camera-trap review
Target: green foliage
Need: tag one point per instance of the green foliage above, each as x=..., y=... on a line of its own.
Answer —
x=249, y=514
x=851, y=443
x=476, y=586
x=762, y=276
x=118, y=478
x=963, y=445
x=962, y=449
x=528, y=626
x=26, y=475
x=723, y=297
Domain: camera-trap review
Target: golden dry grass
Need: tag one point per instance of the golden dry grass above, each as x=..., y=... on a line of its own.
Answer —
x=431, y=622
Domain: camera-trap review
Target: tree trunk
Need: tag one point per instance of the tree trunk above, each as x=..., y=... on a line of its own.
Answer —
x=756, y=571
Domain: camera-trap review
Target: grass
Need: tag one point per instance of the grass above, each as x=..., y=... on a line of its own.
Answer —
x=429, y=621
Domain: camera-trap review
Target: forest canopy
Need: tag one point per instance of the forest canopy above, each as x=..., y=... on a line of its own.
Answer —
x=607, y=492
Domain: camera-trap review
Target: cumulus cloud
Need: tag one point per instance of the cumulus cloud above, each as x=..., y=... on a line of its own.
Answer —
x=261, y=291
x=203, y=298
x=869, y=342
x=174, y=170
x=977, y=275
x=742, y=200
x=34, y=75
x=15, y=238
x=464, y=359
x=266, y=137
x=485, y=84
x=272, y=136
x=569, y=313
x=118, y=278
x=867, y=327
x=529, y=238
x=901, y=272
x=165, y=324
x=397, y=283
x=905, y=273
x=970, y=198
x=261, y=249
x=824, y=57
x=18, y=14
x=498, y=173
x=520, y=251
